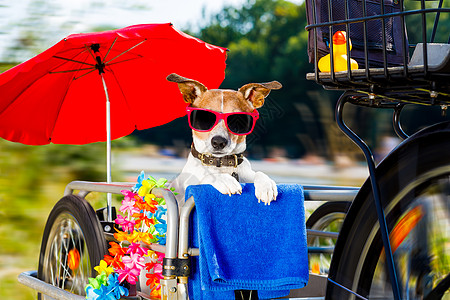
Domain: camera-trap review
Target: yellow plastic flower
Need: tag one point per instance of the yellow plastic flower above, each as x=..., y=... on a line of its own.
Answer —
x=103, y=267
x=149, y=196
x=151, y=254
x=146, y=187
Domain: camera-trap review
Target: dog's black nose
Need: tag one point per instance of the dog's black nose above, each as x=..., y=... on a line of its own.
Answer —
x=219, y=142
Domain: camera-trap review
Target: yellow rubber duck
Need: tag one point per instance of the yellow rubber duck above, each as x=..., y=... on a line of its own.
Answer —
x=340, y=55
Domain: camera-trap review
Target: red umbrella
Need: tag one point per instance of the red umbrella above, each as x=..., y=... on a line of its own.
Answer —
x=63, y=95
x=58, y=96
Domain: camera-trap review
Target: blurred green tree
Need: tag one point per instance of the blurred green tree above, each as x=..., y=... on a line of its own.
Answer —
x=414, y=23
x=267, y=41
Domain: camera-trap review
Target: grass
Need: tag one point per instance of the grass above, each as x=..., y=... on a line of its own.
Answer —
x=21, y=231
x=32, y=180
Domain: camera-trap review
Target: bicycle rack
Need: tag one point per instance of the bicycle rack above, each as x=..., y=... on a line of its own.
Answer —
x=375, y=190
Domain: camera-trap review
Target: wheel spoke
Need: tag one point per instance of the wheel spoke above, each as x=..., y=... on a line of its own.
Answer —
x=72, y=234
x=74, y=245
x=69, y=236
x=53, y=253
x=58, y=257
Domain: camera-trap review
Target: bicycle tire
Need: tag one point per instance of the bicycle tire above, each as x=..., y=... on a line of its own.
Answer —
x=71, y=227
x=417, y=164
x=327, y=217
x=326, y=209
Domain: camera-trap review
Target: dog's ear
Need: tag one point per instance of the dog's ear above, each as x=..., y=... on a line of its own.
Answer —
x=190, y=89
x=256, y=92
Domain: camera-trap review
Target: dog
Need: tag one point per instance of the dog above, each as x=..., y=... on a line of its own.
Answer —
x=220, y=121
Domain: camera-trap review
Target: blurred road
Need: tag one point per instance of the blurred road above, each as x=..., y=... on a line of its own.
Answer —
x=285, y=171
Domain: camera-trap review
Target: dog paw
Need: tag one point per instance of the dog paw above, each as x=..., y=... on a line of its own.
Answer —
x=265, y=188
x=224, y=183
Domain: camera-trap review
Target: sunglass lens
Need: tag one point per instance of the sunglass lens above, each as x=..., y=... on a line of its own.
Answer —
x=202, y=120
x=240, y=123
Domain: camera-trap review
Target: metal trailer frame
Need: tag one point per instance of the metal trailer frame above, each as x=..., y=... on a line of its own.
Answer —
x=174, y=287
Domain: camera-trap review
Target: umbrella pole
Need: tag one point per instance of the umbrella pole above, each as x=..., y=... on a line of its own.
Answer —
x=108, y=150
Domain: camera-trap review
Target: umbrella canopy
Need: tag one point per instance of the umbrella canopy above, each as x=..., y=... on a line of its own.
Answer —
x=58, y=96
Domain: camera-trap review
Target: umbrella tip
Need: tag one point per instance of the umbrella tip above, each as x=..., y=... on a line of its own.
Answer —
x=95, y=47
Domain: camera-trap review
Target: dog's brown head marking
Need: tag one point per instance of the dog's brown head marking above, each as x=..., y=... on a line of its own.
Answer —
x=191, y=89
x=219, y=140
x=254, y=93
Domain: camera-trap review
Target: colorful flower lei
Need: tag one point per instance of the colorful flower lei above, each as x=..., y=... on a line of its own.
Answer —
x=143, y=221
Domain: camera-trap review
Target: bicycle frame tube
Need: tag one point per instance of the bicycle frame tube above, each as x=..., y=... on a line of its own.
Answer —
x=375, y=190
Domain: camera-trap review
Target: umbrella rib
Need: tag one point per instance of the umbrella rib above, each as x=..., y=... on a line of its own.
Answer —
x=68, y=71
x=28, y=86
x=73, y=60
x=64, y=62
x=104, y=58
x=37, y=79
x=125, y=51
x=89, y=51
x=91, y=70
x=17, y=96
x=118, y=62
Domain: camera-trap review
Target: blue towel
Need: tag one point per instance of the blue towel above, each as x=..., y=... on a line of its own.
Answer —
x=248, y=245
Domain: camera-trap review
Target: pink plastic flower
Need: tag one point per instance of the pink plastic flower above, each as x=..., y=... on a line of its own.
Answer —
x=129, y=195
x=126, y=224
x=134, y=261
x=135, y=248
x=161, y=256
x=158, y=268
x=128, y=274
x=128, y=207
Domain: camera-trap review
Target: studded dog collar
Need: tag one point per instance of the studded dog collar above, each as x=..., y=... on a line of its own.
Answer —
x=208, y=159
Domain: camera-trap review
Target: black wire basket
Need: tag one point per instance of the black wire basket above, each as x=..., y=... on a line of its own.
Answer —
x=402, y=53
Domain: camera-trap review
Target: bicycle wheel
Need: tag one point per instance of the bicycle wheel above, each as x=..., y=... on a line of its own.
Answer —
x=327, y=217
x=72, y=245
x=414, y=184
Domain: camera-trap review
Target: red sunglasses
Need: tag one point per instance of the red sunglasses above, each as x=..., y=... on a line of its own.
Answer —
x=239, y=123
